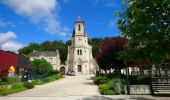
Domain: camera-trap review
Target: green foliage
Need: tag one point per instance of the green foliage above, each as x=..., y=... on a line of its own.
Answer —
x=100, y=80
x=146, y=24
x=13, y=79
x=46, y=46
x=15, y=87
x=142, y=80
x=106, y=89
x=3, y=88
x=46, y=80
x=53, y=72
x=0, y=80
x=28, y=85
x=106, y=85
x=61, y=46
x=37, y=82
x=49, y=79
x=42, y=66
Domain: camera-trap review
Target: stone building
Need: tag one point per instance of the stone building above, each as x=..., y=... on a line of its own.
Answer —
x=79, y=57
x=52, y=57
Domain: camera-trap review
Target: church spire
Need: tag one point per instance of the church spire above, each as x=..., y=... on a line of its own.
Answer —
x=79, y=28
x=79, y=20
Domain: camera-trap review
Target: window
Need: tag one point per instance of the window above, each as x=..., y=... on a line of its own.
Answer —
x=80, y=52
x=79, y=27
x=51, y=59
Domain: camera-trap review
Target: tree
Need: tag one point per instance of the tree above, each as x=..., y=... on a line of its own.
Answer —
x=146, y=23
x=42, y=66
x=108, y=56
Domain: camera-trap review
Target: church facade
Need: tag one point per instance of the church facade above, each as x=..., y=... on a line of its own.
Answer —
x=79, y=58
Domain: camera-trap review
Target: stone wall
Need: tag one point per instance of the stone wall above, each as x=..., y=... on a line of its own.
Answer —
x=139, y=89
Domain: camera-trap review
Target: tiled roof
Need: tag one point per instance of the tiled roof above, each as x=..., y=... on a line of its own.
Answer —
x=45, y=53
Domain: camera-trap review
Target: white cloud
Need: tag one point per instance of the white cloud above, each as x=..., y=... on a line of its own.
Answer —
x=4, y=37
x=7, y=42
x=34, y=9
x=11, y=46
x=39, y=11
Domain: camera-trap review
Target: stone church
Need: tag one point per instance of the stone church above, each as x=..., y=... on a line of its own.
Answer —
x=79, y=58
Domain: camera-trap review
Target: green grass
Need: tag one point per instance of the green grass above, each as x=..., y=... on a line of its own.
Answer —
x=15, y=87
x=19, y=86
x=46, y=80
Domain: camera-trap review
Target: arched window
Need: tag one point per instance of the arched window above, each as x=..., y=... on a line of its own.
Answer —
x=79, y=27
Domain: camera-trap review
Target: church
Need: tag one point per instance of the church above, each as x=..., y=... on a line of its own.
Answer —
x=79, y=58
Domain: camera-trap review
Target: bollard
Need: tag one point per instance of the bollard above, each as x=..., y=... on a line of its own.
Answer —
x=117, y=86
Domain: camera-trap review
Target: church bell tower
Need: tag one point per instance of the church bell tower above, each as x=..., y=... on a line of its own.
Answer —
x=79, y=57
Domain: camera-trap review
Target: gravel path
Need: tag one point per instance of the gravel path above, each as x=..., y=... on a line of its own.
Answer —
x=69, y=86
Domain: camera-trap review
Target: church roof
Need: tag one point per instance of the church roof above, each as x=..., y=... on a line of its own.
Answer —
x=45, y=53
x=79, y=20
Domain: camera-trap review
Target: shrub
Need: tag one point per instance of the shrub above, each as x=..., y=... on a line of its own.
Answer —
x=111, y=76
x=28, y=85
x=17, y=85
x=109, y=92
x=143, y=80
x=49, y=79
x=0, y=80
x=13, y=79
x=100, y=80
x=58, y=77
x=37, y=82
x=106, y=89
x=3, y=87
x=4, y=79
x=53, y=72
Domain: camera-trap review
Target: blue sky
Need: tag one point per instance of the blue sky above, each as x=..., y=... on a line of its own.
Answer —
x=27, y=21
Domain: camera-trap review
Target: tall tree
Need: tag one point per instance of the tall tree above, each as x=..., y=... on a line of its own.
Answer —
x=146, y=23
x=108, y=56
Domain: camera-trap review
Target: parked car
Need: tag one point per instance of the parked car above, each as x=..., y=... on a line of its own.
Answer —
x=71, y=73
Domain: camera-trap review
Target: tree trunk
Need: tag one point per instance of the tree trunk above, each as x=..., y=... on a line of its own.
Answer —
x=141, y=71
x=105, y=71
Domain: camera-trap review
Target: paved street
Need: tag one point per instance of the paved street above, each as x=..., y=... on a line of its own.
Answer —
x=73, y=88
x=69, y=86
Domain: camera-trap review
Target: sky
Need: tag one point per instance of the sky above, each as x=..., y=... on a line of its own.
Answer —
x=34, y=21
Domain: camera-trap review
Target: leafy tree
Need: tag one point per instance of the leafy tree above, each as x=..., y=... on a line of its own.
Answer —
x=108, y=56
x=42, y=66
x=146, y=23
x=47, y=46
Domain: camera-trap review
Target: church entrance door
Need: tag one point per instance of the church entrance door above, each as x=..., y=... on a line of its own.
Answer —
x=79, y=68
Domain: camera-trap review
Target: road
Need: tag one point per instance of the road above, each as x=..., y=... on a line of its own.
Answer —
x=68, y=86
x=72, y=88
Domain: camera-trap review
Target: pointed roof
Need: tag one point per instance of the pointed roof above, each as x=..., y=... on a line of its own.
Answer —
x=79, y=20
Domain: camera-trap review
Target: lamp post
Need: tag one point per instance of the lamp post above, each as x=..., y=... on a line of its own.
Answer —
x=127, y=78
